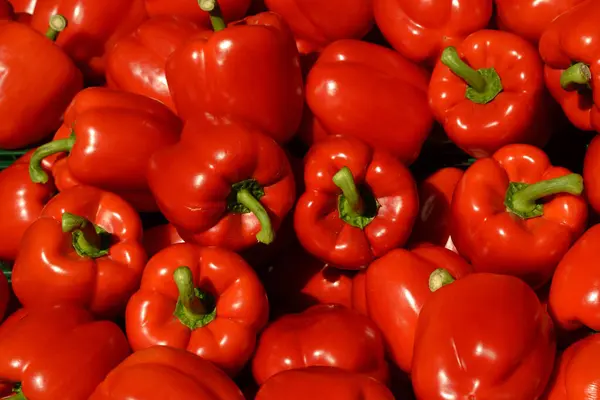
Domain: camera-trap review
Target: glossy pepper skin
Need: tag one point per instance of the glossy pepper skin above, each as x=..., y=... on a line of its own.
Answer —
x=359, y=203
x=206, y=300
x=49, y=366
x=322, y=383
x=503, y=353
x=23, y=6
x=21, y=204
x=421, y=30
x=136, y=63
x=95, y=238
x=576, y=372
x=504, y=227
x=93, y=28
x=573, y=300
x=232, y=10
x=397, y=287
x=32, y=104
x=530, y=18
x=591, y=170
x=160, y=372
x=109, y=136
x=489, y=92
x=315, y=24
x=325, y=336
x=390, y=92
x=571, y=70
x=248, y=72
x=435, y=196
x=223, y=184
x=160, y=237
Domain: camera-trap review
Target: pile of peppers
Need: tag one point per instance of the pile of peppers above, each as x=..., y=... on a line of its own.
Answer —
x=299, y=199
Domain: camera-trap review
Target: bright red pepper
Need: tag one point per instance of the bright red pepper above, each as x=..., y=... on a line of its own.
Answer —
x=484, y=336
x=435, y=195
x=358, y=205
x=23, y=6
x=232, y=10
x=93, y=28
x=576, y=372
x=315, y=24
x=203, y=299
x=248, y=72
x=530, y=18
x=32, y=103
x=4, y=295
x=397, y=286
x=489, y=92
x=160, y=237
x=109, y=136
x=322, y=383
x=6, y=10
x=421, y=30
x=136, y=63
x=572, y=64
x=504, y=220
x=95, y=238
x=224, y=184
x=323, y=335
x=22, y=203
x=574, y=295
x=591, y=172
x=58, y=352
x=368, y=91
x=161, y=372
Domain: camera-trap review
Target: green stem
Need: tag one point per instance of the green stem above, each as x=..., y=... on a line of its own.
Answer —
x=57, y=24
x=193, y=308
x=216, y=16
x=576, y=74
x=439, y=278
x=521, y=198
x=452, y=60
x=344, y=180
x=266, y=234
x=87, y=242
x=36, y=172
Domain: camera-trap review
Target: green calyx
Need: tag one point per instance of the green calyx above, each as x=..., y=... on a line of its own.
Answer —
x=522, y=198
x=245, y=198
x=36, y=172
x=17, y=393
x=356, y=206
x=214, y=10
x=439, y=278
x=194, y=308
x=483, y=85
x=56, y=25
x=88, y=240
x=577, y=75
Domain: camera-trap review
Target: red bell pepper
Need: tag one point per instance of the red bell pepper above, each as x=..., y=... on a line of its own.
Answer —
x=21, y=202
x=323, y=335
x=483, y=336
x=368, y=91
x=224, y=184
x=23, y=6
x=4, y=295
x=32, y=103
x=54, y=353
x=421, y=30
x=109, y=136
x=206, y=300
x=248, y=72
x=232, y=10
x=530, y=18
x=516, y=214
x=161, y=372
x=94, y=27
x=435, y=195
x=576, y=372
x=572, y=63
x=591, y=172
x=316, y=24
x=160, y=237
x=574, y=300
x=489, y=92
x=397, y=286
x=358, y=205
x=6, y=10
x=136, y=63
x=322, y=383
x=85, y=249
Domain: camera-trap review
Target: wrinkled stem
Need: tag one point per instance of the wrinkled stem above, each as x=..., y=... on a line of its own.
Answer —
x=57, y=24
x=216, y=16
x=452, y=60
x=439, y=278
x=86, y=237
x=344, y=180
x=266, y=234
x=185, y=285
x=576, y=74
x=36, y=172
x=525, y=199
